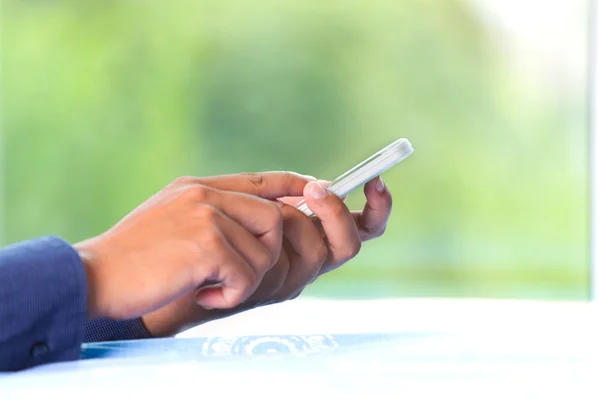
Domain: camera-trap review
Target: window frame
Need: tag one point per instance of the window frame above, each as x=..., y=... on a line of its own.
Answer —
x=594, y=139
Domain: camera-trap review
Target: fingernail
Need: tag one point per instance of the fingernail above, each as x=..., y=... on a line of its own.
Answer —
x=316, y=191
x=309, y=177
x=324, y=184
x=379, y=185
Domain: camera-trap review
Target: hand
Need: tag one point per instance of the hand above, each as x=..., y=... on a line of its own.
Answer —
x=190, y=234
x=310, y=248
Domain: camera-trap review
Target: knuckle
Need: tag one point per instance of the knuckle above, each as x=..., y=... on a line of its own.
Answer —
x=246, y=283
x=275, y=215
x=288, y=177
x=351, y=251
x=374, y=233
x=183, y=180
x=380, y=232
x=290, y=296
x=251, y=280
x=279, y=298
x=197, y=193
x=255, y=179
x=206, y=212
x=296, y=295
x=264, y=260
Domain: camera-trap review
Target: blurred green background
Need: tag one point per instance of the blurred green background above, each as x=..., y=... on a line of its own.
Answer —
x=104, y=102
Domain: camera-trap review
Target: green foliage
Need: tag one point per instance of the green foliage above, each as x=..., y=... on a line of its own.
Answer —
x=105, y=102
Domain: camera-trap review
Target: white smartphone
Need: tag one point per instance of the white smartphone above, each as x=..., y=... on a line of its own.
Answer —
x=362, y=173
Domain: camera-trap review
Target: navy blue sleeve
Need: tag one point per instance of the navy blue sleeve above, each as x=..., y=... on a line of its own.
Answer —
x=43, y=296
x=104, y=330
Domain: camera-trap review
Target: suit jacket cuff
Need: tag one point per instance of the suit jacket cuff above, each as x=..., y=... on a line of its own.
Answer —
x=43, y=303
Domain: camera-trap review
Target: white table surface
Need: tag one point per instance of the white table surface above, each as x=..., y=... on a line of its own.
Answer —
x=364, y=349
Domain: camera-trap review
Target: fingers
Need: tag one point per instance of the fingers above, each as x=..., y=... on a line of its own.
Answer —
x=268, y=185
x=252, y=250
x=260, y=217
x=372, y=221
x=273, y=280
x=267, y=292
x=242, y=263
x=239, y=260
x=232, y=279
x=253, y=229
x=306, y=251
x=338, y=224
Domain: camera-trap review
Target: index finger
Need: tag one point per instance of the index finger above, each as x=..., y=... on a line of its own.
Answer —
x=268, y=185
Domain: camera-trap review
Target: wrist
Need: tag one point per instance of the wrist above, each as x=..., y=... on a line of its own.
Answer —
x=176, y=317
x=89, y=260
